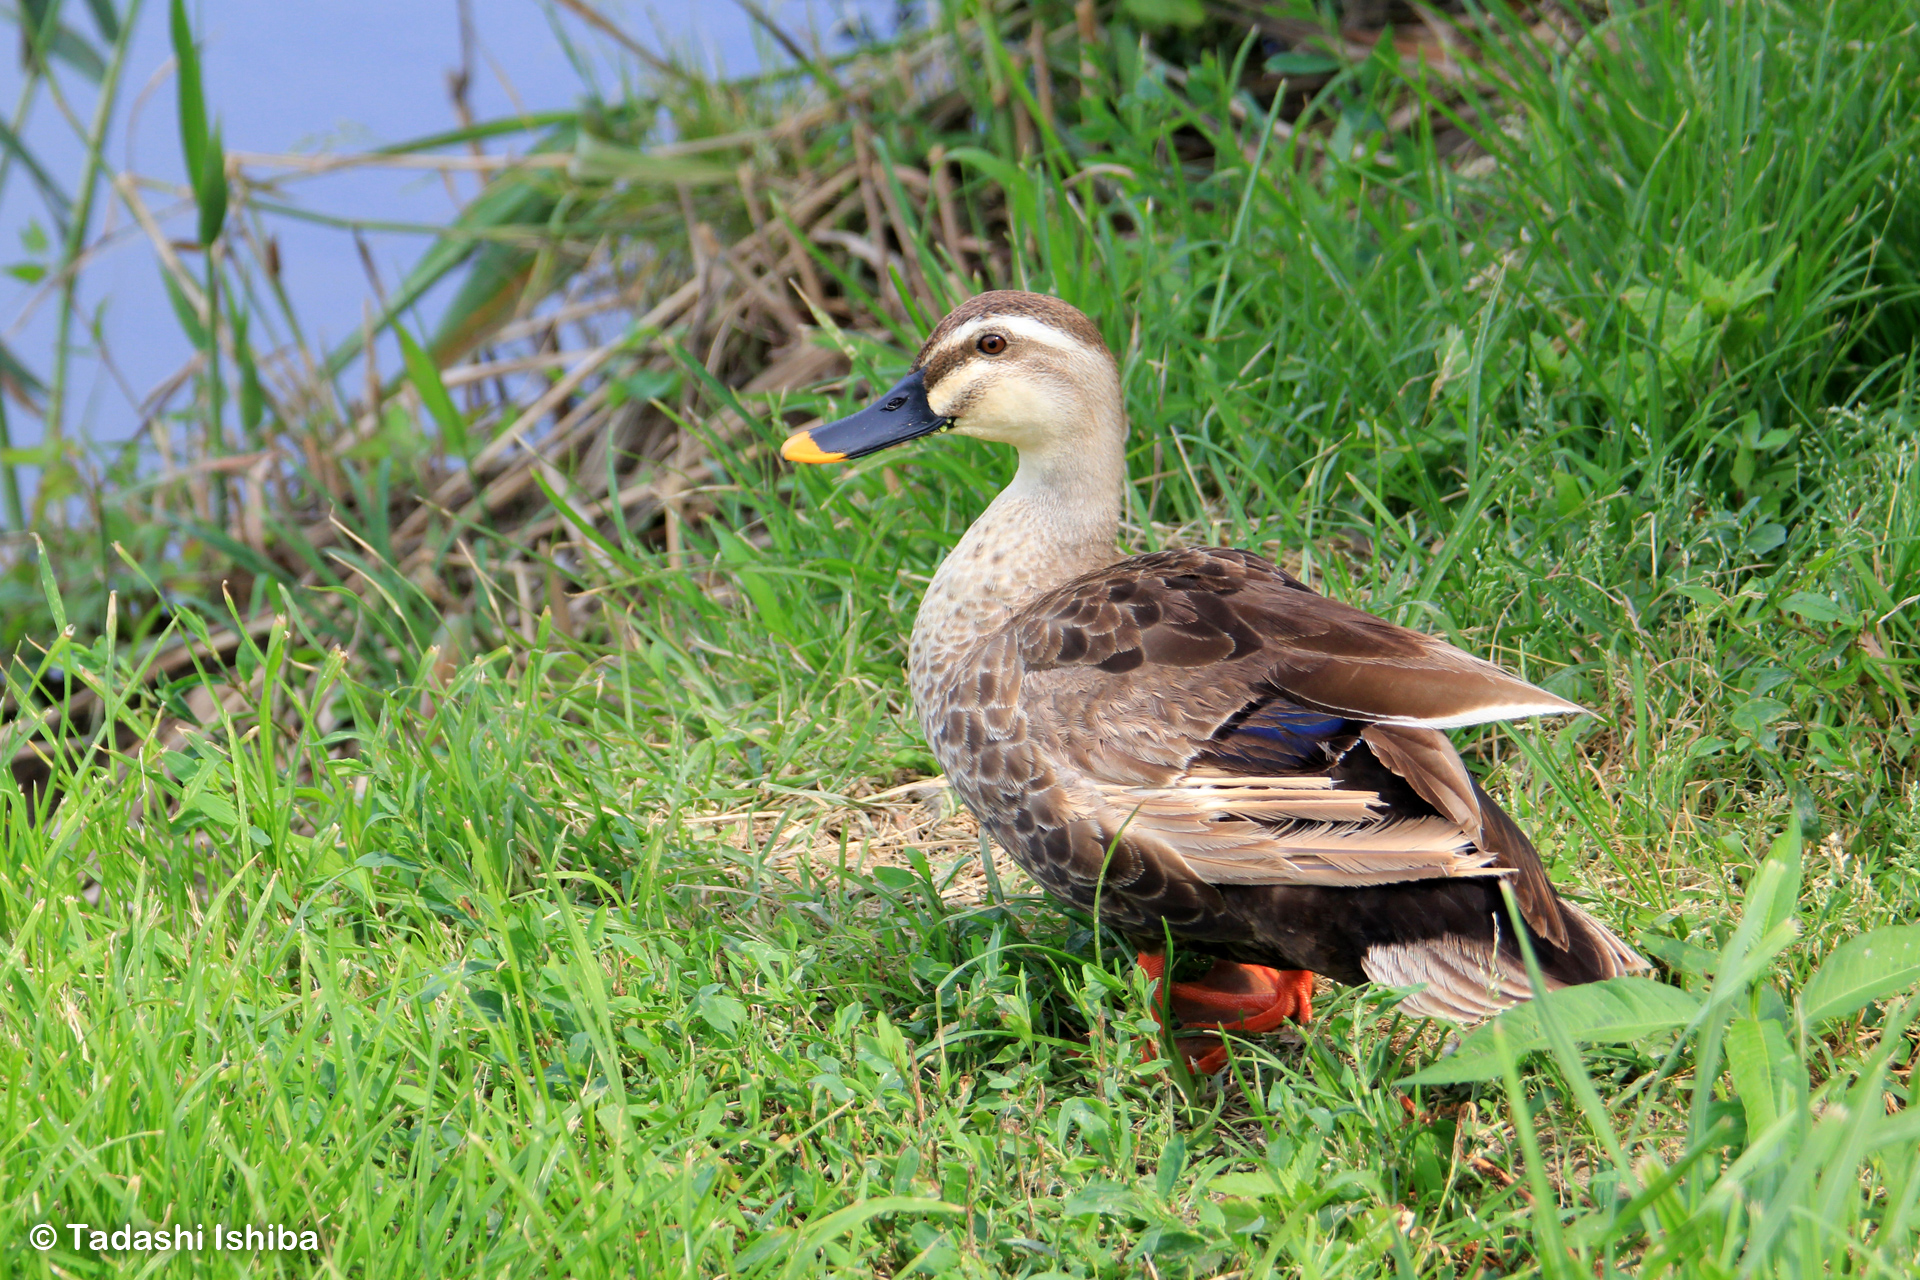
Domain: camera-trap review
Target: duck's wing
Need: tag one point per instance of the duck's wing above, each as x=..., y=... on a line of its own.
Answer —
x=1231, y=719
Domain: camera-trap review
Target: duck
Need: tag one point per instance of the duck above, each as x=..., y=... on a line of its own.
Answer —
x=1194, y=746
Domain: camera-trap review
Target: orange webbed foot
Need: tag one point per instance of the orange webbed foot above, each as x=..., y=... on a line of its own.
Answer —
x=1231, y=997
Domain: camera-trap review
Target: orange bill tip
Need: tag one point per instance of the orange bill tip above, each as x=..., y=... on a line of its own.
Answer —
x=801, y=448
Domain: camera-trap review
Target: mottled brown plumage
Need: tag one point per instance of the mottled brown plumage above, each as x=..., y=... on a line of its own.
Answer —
x=1194, y=742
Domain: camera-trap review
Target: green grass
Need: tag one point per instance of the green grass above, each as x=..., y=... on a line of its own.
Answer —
x=431, y=951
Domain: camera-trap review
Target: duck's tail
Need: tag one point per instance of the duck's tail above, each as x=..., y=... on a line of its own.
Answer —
x=1474, y=974
x=1470, y=978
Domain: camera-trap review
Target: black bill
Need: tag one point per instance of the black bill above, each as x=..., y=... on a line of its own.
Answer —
x=901, y=415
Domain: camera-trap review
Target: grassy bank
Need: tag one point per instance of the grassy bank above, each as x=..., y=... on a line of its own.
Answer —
x=522, y=869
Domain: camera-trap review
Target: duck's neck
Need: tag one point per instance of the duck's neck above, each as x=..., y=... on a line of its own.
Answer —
x=1056, y=520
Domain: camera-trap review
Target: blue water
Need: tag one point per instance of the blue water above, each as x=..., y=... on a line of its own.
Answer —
x=312, y=75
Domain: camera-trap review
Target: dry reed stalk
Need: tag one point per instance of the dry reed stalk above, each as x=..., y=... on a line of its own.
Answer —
x=296, y=164
x=942, y=183
x=897, y=220
x=768, y=293
x=878, y=257
x=370, y=366
x=456, y=487
x=471, y=373
x=601, y=23
x=572, y=313
x=1042, y=74
x=1023, y=140
x=129, y=193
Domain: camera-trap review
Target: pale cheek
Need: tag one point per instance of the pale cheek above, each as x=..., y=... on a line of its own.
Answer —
x=1007, y=414
x=953, y=397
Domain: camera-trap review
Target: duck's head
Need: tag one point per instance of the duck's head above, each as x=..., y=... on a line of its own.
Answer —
x=1020, y=368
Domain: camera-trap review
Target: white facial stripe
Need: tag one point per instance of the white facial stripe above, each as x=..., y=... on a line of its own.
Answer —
x=1025, y=327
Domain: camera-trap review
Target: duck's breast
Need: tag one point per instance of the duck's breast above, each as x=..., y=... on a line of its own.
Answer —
x=1037, y=805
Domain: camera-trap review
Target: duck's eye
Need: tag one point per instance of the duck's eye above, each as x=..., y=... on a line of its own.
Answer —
x=991, y=344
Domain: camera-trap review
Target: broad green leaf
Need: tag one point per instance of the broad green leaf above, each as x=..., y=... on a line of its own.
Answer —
x=841, y=1221
x=1567, y=494
x=218, y=809
x=37, y=20
x=1298, y=63
x=425, y=376
x=1451, y=359
x=646, y=385
x=1757, y=1056
x=496, y=283
x=774, y=1244
x=1767, y=923
x=1766, y=537
x=1782, y=902
x=253, y=397
x=1756, y=714
x=57, y=200
x=1107, y=1199
x=67, y=45
x=1172, y=1160
x=379, y=859
x=1165, y=13
x=1549, y=362
x=1249, y=1186
x=105, y=19
x=183, y=311
x=1814, y=607
x=1724, y=297
x=1000, y=171
x=499, y=272
x=898, y=879
x=1744, y=960
x=1616, y=1011
x=1862, y=970
x=1676, y=954
x=192, y=100
x=766, y=602
x=210, y=189
x=50, y=588
x=722, y=1012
